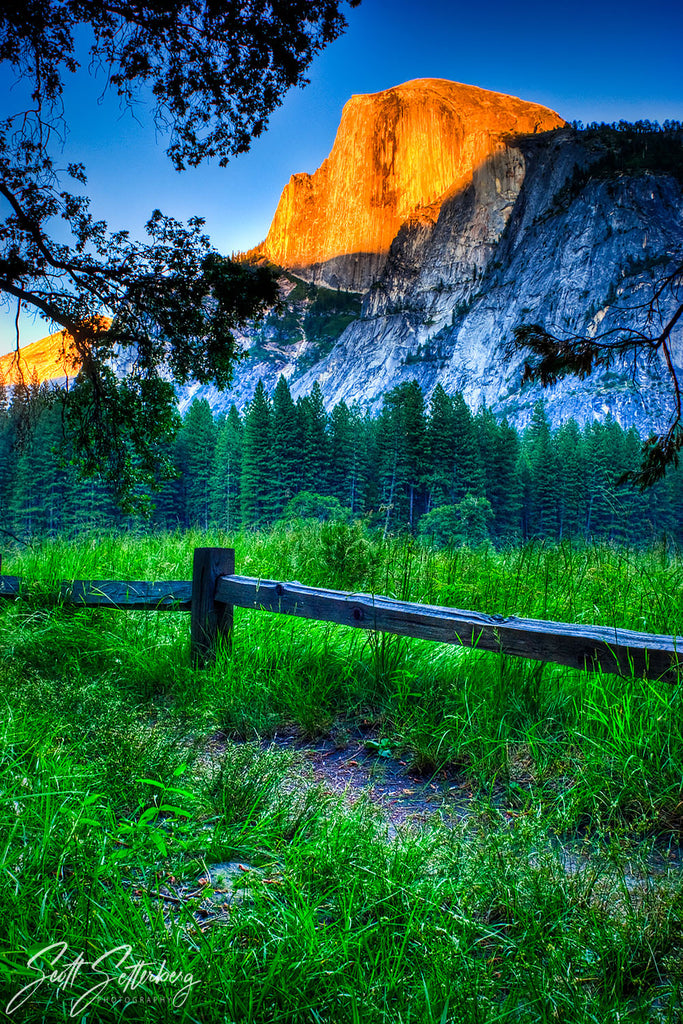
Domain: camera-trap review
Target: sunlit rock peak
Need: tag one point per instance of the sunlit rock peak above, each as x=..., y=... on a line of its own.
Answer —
x=42, y=361
x=50, y=359
x=397, y=154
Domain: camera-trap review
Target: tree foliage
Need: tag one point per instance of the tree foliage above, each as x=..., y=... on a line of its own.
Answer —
x=213, y=73
x=553, y=485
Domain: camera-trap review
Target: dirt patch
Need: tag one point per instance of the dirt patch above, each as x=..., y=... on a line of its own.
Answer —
x=364, y=769
x=356, y=772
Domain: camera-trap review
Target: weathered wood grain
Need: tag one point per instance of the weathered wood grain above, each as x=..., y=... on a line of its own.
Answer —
x=132, y=595
x=585, y=647
x=211, y=616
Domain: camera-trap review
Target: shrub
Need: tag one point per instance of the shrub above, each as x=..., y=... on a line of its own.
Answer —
x=308, y=505
x=464, y=523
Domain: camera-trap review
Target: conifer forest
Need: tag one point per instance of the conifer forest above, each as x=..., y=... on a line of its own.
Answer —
x=428, y=467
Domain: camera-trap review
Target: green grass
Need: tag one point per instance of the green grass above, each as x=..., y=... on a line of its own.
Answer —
x=125, y=775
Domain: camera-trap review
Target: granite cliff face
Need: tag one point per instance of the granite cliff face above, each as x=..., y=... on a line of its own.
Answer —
x=569, y=229
x=543, y=234
x=479, y=221
x=397, y=155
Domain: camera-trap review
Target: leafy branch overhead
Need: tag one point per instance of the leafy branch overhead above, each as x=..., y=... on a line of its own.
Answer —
x=212, y=73
x=645, y=332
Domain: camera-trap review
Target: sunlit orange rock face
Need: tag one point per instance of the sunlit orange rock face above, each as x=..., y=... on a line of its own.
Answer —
x=397, y=154
x=44, y=360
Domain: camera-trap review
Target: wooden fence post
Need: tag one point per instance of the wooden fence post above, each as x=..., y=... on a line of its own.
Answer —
x=209, y=619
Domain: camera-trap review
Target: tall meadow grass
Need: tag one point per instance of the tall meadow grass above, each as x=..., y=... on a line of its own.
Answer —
x=124, y=775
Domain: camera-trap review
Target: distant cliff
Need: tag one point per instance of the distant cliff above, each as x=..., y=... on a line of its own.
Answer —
x=549, y=231
x=397, y=154
x=446, y=216
x=44, y=360
x=570, y=229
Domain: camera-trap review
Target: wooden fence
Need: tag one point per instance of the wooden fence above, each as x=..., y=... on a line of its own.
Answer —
x=215, y=590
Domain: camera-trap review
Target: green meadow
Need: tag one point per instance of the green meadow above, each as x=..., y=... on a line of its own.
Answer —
x=173, y=815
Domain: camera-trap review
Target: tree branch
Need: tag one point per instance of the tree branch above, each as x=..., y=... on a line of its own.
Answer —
x=33, y=229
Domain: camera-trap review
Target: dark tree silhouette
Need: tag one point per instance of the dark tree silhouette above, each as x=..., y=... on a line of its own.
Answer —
x=164, y=309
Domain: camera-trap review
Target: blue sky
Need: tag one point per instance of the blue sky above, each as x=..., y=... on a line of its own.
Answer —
x=588, y=61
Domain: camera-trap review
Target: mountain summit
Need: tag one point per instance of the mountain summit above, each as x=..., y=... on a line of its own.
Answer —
x=445, y=217
x=397, y=155
x=43, y=360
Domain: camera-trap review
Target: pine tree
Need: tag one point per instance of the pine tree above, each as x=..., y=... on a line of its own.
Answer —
x=46, y=498
x=440, y=445
x=7, y=462
x=468, y=474
x=675, y=487
x=606, y=461
x=369, y=483
x=88, y=504
x=315, y=441
x=196, y=450
x=226, y=473
x=349, y=456
x=639, y=524
x=621, y=495
x=416, y=451
x=258, y=478
x=287, y=446
x=571, y=480
x=543, y=470
x=56, y=479
x=595, y=473
x=402, y=443
x=169, y=500
x=499, y=448
x=525, y=490
x=32, y=470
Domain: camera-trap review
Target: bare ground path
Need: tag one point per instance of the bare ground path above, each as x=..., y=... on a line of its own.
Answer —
x=362, y=769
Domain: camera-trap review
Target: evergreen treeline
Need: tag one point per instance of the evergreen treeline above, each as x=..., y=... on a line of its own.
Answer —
x=430, y=467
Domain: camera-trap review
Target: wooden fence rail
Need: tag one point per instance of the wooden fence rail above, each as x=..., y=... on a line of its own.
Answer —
x=215, y=590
